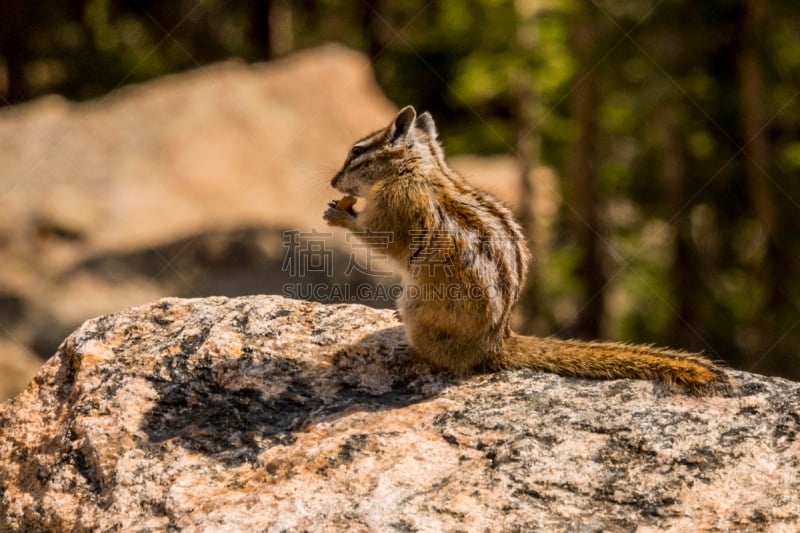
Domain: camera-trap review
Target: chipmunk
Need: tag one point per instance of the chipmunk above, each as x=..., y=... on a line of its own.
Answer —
x=446, y=233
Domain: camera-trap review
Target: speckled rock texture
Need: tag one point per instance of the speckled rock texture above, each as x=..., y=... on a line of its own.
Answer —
x=268, y=414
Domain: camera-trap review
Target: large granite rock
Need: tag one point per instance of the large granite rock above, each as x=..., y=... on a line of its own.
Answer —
x=268, y=414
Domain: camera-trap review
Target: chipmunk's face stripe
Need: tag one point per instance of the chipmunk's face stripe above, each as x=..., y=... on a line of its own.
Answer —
x=364, y=146
x=373, y=147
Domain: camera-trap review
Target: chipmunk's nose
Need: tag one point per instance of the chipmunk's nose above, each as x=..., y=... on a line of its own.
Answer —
x=336, y=179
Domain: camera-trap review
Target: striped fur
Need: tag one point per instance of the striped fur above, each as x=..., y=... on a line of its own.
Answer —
x=463, y=260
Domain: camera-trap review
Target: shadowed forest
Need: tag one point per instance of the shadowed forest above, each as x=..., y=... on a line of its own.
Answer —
x=672, y=128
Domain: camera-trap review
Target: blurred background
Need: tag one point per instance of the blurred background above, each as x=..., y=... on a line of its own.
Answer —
x=651, y=149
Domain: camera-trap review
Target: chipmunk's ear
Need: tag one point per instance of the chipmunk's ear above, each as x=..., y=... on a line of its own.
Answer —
x=425, y=123
x=402, y=123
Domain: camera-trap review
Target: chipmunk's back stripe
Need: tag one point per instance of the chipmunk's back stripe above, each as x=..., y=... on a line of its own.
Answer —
x=487, y=228
x=438, y=156
x=510, y=229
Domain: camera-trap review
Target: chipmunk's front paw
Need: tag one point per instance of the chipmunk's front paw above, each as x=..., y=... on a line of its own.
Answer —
x=339, y=217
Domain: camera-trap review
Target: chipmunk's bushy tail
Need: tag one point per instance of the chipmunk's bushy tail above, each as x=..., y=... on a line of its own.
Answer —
x=608, y=360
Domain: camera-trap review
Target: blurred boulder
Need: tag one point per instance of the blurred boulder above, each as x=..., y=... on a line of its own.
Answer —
x=17, y=368
x=182, y=186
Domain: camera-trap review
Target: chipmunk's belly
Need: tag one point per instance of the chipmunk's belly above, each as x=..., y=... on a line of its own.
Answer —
x=449, y=305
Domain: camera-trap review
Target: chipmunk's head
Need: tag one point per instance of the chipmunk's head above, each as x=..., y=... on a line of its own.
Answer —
x=407, y=144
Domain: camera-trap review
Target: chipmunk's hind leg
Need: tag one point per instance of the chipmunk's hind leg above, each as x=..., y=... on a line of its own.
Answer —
x=447, y=349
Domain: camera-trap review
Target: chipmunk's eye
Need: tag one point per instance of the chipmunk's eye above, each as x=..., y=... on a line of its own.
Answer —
x=357, y=151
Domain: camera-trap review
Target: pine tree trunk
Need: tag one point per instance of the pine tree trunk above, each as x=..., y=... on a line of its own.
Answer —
x=527, y=110
x=274, y=27
x=684, y=271
x=14, y=15
x=375, y=19
x=583, y=173
x=764, y=274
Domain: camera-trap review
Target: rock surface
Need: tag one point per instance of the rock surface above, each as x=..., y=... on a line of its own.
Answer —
x=268, y=414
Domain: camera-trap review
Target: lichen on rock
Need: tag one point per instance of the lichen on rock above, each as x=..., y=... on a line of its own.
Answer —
x=263, y=413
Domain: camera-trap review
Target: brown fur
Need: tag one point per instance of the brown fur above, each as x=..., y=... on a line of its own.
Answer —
x=448, y=234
